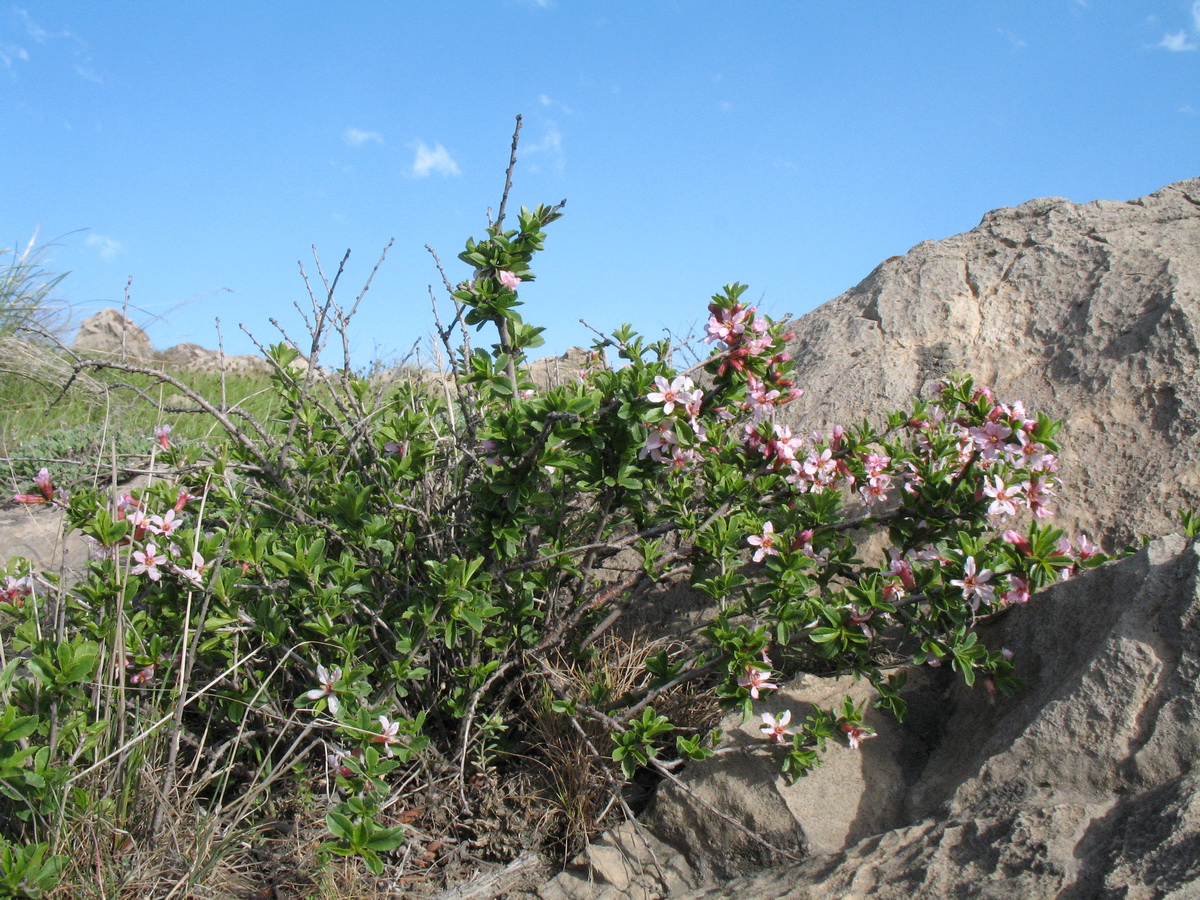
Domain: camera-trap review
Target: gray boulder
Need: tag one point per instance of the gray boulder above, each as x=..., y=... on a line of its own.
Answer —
x=1086, y=784
x=109, y=333
x=1088, y=312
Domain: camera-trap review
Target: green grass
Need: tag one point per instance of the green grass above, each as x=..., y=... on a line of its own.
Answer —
x=103, y=416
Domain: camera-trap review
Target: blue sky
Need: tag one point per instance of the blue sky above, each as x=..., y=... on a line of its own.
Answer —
x=788, y=145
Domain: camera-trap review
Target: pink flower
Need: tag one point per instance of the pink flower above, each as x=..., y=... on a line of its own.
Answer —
x=16, y=590
x=1086, y=548
x=776, y=729
x=1018, y=591
x=678, y=390
x=196, y=573
x=148, y=562
x=974, y=586
x=757, y=680
x=163, y=524
x=1018, y=540
x=765, y=542
x=389, y=733
x=856, y=734
x=42, y=480
x=328, y=679
x=1004, y=498
x=162, y=434
x=508, y=279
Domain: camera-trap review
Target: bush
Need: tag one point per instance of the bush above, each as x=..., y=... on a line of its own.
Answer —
x=381, y=601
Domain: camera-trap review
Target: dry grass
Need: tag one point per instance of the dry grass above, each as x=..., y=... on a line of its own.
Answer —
x=575, y=782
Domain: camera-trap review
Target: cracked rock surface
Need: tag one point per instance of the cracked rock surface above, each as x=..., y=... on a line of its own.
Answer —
x=1087, y=312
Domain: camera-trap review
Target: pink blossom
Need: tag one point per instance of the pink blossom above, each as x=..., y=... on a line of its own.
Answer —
x=148, y=562
x=162, y=434
x=42, y=480
x=16, y=590
x=1004, y=498
x=389, y=733
x=1018, y=540
x=856, y=734
x=1086, y=548
x=678, y=390
x=990, y=439
x=1018, y=590
x=821, y=468
x=765, y=542
x=508, y=279
x=875, y=491
x=44, y=485
x=328, y=679
x=756, y=680
x=196, y=573
x=163, y=524
x=974, y=586
x=875, y=463
x=1035, y=489
x=661, y=438
x=776, y=729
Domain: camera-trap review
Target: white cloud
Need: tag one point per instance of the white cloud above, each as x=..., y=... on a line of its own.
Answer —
x=356, y=137
x=78, y=46
x=429, y=160
x=550, y=147
x=107, y=247
x=547, y=100
x=1176, y=42
x=1017, y=42
x=1181, y=41
x=10, y=53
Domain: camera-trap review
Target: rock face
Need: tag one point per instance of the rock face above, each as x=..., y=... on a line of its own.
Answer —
x=111, y=334
x=1088, y=312
x=552, y=371
x=194, y=358
x=1086, y=784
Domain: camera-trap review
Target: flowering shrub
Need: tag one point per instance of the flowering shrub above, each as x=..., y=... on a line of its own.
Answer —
x=376, y=591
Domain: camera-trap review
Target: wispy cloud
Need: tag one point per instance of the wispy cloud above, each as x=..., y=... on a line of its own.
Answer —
x=1181, y=41
x=1176, y=42
x=11, y=53
x=1014, y=40
x=547, y=100
x=105, y=246
x=430, y=160
x=79, y=47
x=356, y=137
x=549, y=147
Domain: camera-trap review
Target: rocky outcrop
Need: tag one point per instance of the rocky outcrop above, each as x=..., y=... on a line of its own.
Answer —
x=1088, y=312
x=553, y=371
x=109, y=333
x=194, y=358
x=1085, y=784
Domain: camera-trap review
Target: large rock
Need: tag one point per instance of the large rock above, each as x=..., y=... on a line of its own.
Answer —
x=188, y=357
x=109, y=333
x=1084, y=785
x=1088, y=312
